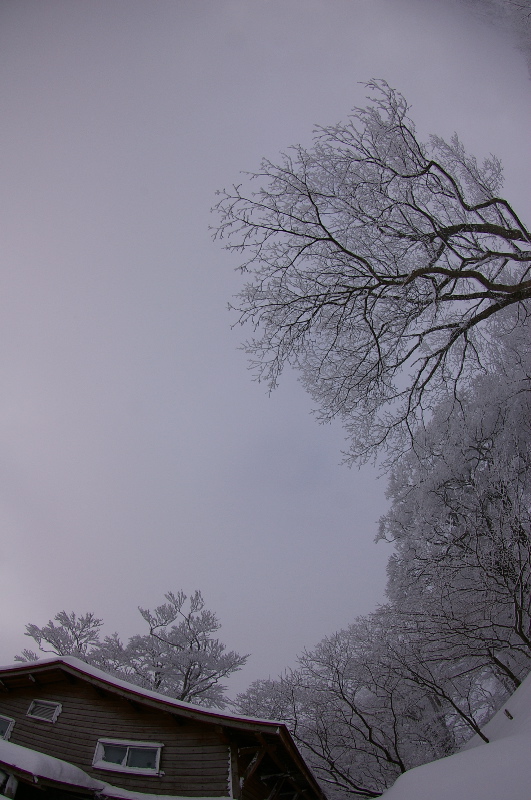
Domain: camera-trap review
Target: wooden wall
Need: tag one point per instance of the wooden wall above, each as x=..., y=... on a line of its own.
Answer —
x=195, y=758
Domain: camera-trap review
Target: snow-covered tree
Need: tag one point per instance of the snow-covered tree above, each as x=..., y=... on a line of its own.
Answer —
x=358, y=720
x=376, y=699
x=459, y=692
x=72, y=636
x=415, y=679
x=376, y=265
x=180, y=656
x=461, y=518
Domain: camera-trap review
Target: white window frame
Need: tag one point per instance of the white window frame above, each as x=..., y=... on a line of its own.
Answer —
x=99, y=763
x=11, y=722
x=52, y=703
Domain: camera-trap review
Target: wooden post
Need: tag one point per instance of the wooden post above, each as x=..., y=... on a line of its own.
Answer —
x=10, y=789
x=234, y=771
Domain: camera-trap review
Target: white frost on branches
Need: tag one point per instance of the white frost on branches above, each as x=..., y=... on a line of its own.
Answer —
x=179, y=656
x=376, y=265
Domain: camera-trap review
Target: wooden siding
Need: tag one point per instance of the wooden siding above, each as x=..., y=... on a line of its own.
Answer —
x=195, y=756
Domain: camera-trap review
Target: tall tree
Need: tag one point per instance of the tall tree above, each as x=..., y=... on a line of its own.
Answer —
x=180, y=655
x=376, y=266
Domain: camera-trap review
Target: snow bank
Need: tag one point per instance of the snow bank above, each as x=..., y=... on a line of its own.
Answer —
x=499, y=770
x=513, y=718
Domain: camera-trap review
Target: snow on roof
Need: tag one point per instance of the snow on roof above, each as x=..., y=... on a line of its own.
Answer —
x=38, y=765
x=481, y=771
x=111, y=680
x=72, y=663
x=43, y=766
x=125, y=794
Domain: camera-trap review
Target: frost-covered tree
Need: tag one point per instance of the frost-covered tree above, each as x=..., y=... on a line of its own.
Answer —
x=415, y=679
x=376, y=264
x=359, y=721
x=459, y=691
x=180, y=656
x=71, y=636
x=460, y=518
x=376, y=699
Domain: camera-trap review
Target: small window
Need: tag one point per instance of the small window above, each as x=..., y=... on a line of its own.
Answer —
x=142, y=758
x=6, y=726
x=44, y=710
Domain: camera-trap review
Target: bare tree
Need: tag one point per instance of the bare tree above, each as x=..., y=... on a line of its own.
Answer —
x=376, y=264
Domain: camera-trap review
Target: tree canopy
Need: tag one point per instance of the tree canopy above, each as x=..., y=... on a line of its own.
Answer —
x=376, y=264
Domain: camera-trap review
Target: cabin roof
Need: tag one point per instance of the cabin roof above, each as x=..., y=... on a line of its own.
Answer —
x=14, y=675
x=57, y=668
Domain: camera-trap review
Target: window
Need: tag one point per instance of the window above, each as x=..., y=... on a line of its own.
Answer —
x=44, y=710
x=143, y=758
x=6, y=726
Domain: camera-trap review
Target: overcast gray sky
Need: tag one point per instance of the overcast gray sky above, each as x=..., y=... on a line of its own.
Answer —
x=136, y=453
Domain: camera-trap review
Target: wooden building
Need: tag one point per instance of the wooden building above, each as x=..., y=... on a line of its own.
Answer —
x=68, y=730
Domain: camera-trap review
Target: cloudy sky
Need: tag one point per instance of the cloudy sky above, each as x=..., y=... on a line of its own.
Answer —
x=136, y=453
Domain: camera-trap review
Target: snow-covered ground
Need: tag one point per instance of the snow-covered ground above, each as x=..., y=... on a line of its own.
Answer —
x=499, y=770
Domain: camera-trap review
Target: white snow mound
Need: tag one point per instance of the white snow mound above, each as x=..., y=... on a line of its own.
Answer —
x=499, y=770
